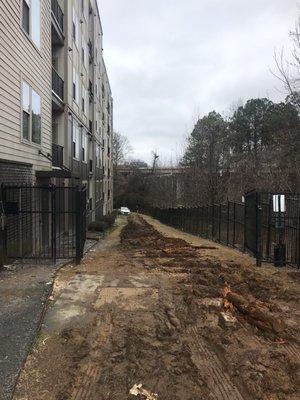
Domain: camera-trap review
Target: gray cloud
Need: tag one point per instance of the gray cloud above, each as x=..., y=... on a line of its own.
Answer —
x=172, y=60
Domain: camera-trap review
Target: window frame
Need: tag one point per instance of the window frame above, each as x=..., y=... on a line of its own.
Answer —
x=75, y=28
x=98, y=156
x=76, y=136
x=76, y=83
x=29, y=34
x=84, y=147
x=34, y=92
x=24, y=140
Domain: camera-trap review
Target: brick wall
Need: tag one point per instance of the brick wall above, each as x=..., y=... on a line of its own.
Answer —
x=12, y=173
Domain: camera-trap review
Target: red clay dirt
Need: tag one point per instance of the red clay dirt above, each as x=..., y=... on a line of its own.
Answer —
x=185, y=321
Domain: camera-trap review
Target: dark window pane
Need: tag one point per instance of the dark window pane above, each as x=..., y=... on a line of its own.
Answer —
x=25, y=17
x=25, y=129
x=36, y=128
x=74, y=31
x=36, y=118
x=74, y=91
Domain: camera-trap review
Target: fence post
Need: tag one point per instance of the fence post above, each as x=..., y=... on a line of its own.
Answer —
x=244, y=226
x=207, y=221
x=78, y=223
x=227, y=232
x=53, y=222
x=202, y=221
x=258, y=230
x=298, y=262
x=269, y=228
x=3, y=231
x=220, y=221
x=233, y=234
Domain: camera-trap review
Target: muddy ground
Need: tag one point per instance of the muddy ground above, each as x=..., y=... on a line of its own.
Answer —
x=187, y=321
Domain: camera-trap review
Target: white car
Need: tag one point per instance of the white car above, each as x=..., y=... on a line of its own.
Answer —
x=124, y=211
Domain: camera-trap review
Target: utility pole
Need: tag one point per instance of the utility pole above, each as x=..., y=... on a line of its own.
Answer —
x=155, y=158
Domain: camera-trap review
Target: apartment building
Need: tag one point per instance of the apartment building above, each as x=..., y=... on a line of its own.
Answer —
x=56, y=108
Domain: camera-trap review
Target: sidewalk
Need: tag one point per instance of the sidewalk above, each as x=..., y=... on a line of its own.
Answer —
x=23, y=293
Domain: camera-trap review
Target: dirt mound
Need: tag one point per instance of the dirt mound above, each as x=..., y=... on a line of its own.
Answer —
x=259, y=345
x=156, y=311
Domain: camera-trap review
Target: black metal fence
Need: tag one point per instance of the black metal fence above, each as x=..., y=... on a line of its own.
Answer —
x=252, y=226
x=44, y=222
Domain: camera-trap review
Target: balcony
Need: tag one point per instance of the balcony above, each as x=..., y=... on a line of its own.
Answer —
x=58, y=91
x=58, y=22
x=57, y=155
x=59, y=170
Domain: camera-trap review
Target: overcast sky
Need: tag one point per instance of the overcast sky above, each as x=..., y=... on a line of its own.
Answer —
x=170, y=61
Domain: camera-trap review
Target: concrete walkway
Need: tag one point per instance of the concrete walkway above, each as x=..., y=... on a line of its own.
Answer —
x=23, y=293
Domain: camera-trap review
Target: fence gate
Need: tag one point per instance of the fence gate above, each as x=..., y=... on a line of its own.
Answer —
x=44, y=222
x=253, y=225
x=281, y=228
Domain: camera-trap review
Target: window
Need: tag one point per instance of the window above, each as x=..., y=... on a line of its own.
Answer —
x=75, y=28
x=76, y=140
x=25, y=16
x=85, y=9
x=85, y=53
x=83, y=98
x=26, y=111
x=98, y=156
x=31, y=115
x=31, y=20
x=36, y=118
x=84, y=147
x=75, y=86
x=87, y=102
x=36, y=21
x=82, y=55
x=97, y=190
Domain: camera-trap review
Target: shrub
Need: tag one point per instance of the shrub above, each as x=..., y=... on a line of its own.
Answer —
x=99, y=226
x=110, y=218
x=104, y=222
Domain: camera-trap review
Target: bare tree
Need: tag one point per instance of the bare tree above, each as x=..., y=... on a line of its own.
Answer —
x=121, y=149
x=288, y=70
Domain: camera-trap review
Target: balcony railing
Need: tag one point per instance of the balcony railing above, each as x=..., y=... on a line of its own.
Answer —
x=57, y=155
x=57, y=84
x=58, y=14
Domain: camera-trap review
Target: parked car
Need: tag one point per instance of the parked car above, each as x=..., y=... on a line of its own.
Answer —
x=124, y=211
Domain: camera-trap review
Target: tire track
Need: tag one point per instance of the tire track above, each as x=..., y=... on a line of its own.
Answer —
x=210, y=367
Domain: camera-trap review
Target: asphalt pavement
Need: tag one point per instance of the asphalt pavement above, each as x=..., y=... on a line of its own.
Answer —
x=23, y=293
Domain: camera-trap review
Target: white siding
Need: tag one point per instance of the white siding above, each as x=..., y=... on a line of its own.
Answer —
x=20, y=59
